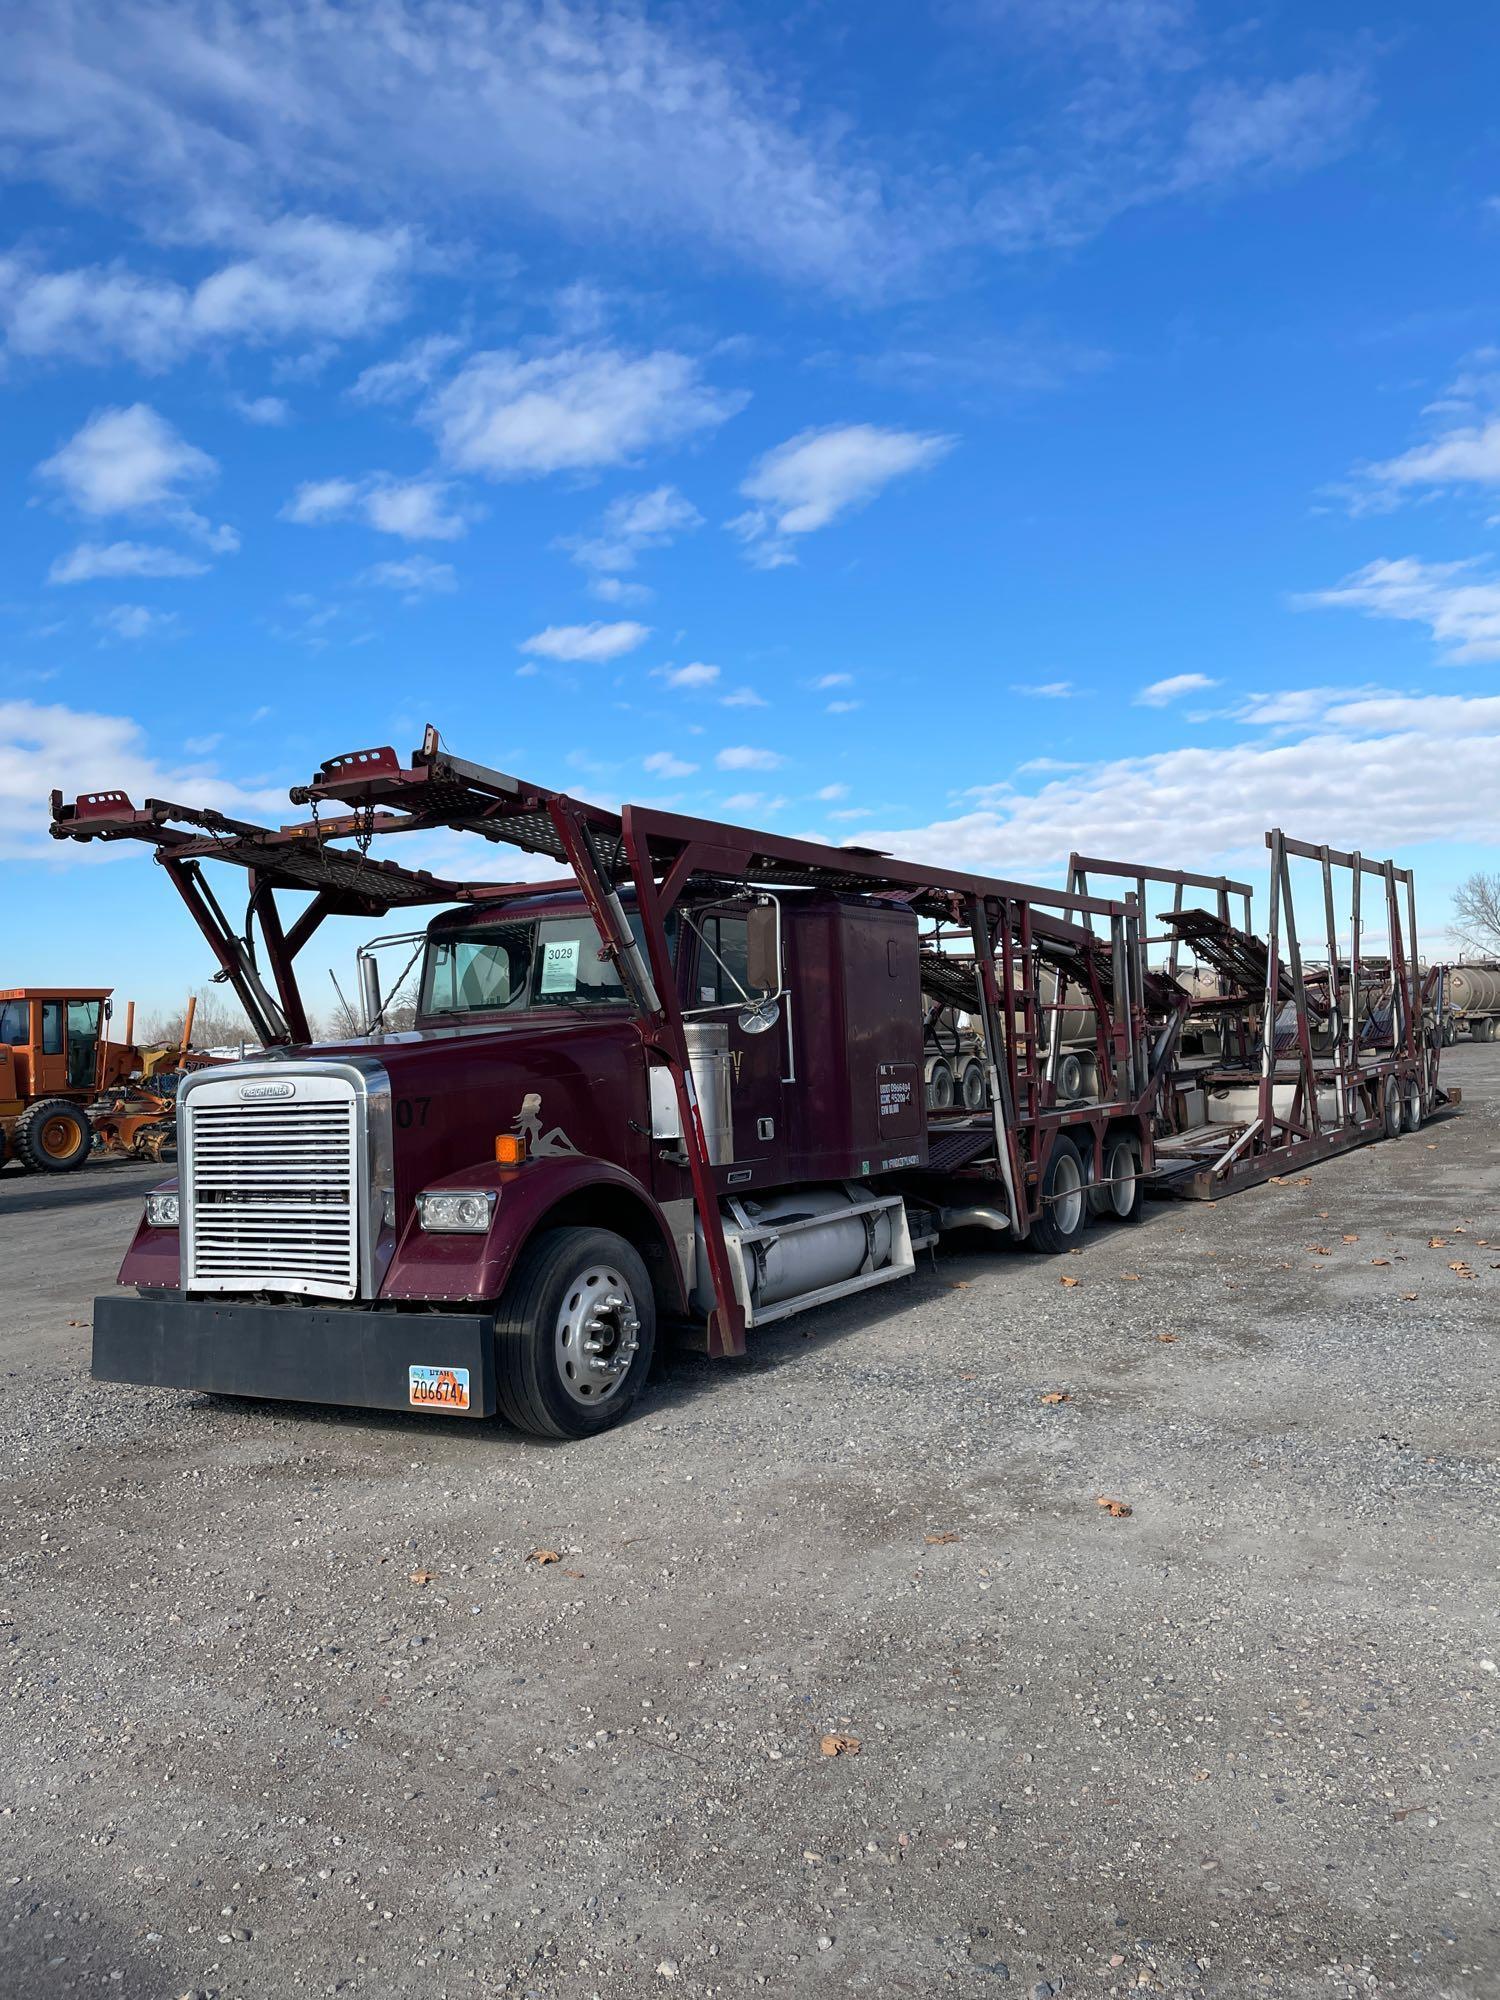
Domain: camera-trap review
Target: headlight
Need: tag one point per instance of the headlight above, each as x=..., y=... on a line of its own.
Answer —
x=161, y=1211
x=456, y=1214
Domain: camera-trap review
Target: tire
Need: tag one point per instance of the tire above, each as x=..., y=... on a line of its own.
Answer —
x=940, y=1087
x=971, y=1088
x=1072, y=1079
x=1484, y=1031
x=1121, y=1195
x=1411, y=1104
x=53, y=1136
x=1390, y=1108
x=546, y=1382
x=1065, y=1202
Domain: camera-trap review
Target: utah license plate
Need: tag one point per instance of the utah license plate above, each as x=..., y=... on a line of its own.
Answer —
x=438, y=1388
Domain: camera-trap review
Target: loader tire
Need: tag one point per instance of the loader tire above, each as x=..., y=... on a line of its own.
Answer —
x=574, y=1333
x=53, y=1136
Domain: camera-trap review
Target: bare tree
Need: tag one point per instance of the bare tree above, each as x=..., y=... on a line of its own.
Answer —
x=1476, y=913
x=217, y=1023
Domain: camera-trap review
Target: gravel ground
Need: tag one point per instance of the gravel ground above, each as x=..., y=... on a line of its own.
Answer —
x=290, y=1709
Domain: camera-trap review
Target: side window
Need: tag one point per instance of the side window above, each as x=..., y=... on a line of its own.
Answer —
x=13, y=1028
x=723, y=961
x=52, y=1028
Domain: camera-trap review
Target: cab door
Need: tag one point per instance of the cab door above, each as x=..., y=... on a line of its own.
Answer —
x=718, y=987
x=49, y=1046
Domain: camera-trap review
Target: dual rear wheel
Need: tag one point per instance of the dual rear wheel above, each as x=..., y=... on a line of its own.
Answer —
x=1068, y=1198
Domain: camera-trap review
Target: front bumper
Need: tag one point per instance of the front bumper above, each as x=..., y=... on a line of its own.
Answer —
x=365, y=1359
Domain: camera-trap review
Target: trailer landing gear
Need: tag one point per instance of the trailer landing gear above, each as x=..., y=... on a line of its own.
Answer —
x=574, y=1334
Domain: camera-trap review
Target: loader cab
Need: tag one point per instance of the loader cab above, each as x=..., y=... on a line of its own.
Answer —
x=49, y=1039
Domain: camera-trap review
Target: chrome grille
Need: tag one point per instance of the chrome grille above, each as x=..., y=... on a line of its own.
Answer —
x=271, y=1190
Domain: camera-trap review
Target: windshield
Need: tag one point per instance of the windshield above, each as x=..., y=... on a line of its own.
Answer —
x=508, y=968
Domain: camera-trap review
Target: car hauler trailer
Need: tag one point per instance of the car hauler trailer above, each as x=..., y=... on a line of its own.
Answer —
x=684, y=1081
x=1285, y=1062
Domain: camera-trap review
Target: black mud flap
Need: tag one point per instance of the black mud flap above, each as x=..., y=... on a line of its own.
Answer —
x=439, y=1363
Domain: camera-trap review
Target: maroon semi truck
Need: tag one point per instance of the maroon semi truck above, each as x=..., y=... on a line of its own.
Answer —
x=682, y=1083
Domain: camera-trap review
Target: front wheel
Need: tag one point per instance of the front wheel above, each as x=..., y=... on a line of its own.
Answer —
x=574, y=1333
x=53, y=1136
x=1411, y=1104
x=1065, y=1207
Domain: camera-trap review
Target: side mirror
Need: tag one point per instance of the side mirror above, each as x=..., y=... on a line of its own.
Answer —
x=762, y=948
x=759, y=1016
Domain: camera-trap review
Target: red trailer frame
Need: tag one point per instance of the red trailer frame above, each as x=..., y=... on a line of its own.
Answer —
x=1008, y=931
x=1364, y=1072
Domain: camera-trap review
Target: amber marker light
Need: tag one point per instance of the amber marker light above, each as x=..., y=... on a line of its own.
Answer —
x=510, y=1149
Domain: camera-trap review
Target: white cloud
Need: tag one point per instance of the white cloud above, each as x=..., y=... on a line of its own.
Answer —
x=269, y=412
x=742, y=757
x=1469, y=455
x=615, y=590
x=135, y=621
x=587, y=642
x=417, y=576
x=418, y=510
x=76, y=751
x=415, y=368
x=634, y=522
x=126, y=461
x=91, y=560
x=510, y=416
x=1376, y=772
x=1161, y=693
x=744, y=697
x=1461, y=608
x=832, y=792
x=662, y=764
x=810, y=480
x=696, y=674
x=1044, y=690
x=842, y=707
x=598, y=121
x=1284, y=128
x=299, y=276
x=833, y=681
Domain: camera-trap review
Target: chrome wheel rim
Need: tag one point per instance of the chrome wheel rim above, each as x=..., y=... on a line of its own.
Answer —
x=1120, y=1167
x=597, y=1334
x=1067, y=1194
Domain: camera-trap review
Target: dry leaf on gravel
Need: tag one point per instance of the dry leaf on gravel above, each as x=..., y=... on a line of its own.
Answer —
x=544, y=1556
x=1166, y=1339
x=1380, y=1260
x=1118, y=1510
x=1056, y=1396
x=958, y=1284
x=1409, y=1297
x=1351, y=1239
x=1318, y=1250
x=421, y=1576
x=1070, y=1281
x=938, y=1541
x=576, y=1574
x=840, y=1746
x=1130, y=1277
x=1462, y=1270
x=1437, y=1242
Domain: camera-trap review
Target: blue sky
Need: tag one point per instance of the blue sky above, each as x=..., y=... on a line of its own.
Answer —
x=981, y=427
